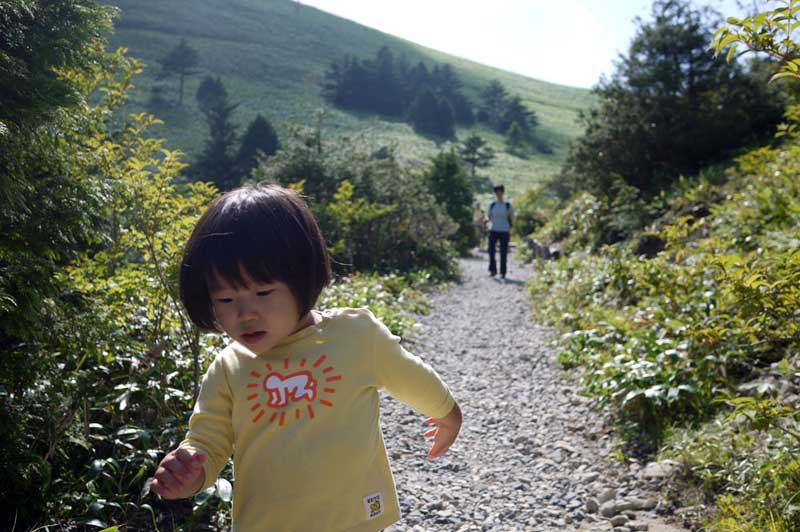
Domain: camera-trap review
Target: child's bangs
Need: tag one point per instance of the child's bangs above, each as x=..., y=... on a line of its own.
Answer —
x=236, y=259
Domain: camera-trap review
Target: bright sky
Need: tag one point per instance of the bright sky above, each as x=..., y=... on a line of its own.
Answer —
x=571, y=42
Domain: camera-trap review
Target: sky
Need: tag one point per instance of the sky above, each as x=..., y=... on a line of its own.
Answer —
x=570, y=42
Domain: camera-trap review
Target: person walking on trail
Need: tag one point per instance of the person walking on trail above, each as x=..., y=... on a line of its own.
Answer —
x=501, y=218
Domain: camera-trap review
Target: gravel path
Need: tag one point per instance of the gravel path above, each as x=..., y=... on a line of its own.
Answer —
x=529, y=455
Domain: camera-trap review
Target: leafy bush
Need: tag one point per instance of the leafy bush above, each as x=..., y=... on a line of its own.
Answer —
x=103, y=385
x=679, y=339
x=532, y=210
x=391, y=297
x=451, y=187
x=398, y=225
x=573, y=225
x=749, y=456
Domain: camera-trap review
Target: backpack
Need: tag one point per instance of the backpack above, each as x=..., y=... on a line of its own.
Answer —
x=508, y=211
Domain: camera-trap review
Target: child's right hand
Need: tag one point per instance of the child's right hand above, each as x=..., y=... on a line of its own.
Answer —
x=180, y=474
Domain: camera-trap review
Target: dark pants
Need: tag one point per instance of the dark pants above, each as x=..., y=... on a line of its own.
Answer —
x=494, y=236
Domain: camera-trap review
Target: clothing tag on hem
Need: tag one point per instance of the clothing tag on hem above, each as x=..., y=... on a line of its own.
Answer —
x=373, y=505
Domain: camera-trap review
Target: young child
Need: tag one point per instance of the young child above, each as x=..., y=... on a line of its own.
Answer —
x=294, y=397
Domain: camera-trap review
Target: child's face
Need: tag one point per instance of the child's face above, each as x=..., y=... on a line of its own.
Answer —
x=257, y=315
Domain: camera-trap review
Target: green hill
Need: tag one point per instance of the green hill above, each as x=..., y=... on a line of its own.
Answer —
x=271, y=55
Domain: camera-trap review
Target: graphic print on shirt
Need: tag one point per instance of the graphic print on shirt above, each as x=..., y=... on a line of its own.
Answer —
x=295, y=387
x=294, y=390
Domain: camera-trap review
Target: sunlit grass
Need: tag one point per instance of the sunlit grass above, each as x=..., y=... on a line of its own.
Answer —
x=271, y=55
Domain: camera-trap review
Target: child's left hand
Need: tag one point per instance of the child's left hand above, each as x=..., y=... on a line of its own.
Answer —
x=445, y=432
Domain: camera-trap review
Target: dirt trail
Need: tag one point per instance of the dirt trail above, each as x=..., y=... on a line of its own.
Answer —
x=531, y=451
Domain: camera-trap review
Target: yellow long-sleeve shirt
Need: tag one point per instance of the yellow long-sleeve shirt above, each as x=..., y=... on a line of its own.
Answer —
x=303, y=424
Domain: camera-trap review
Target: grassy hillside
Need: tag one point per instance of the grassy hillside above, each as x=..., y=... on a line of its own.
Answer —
x=271, y=55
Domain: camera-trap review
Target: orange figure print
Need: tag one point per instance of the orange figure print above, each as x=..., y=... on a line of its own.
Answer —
x=281, y=390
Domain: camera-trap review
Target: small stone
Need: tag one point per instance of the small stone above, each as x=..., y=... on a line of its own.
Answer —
x=619, y=520
x=609, y=509
x=659, y=470
x=606, y=495
x=636, y=503
x=591, y=476
x=592, y=505
x=792, y=400
x=624, y=505
x=639, y=525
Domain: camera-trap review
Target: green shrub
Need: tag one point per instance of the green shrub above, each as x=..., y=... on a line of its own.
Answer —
x=390, y=297
x=669, y=343
x=399, y=226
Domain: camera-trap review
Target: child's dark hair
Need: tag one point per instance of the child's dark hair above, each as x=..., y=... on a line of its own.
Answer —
x=266, y=231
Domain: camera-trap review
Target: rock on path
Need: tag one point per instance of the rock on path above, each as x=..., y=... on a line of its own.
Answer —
x=530, y=453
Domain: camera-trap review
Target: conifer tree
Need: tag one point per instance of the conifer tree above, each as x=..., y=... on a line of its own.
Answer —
x=493, y=103
x=515, y=137
x=669, y=108
x=217, y=162
x=260, y=137
x=476, y=153
x=423, y=112
x=210, y=92
x=179, y=61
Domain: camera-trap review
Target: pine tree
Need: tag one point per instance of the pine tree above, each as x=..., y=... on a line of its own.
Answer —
x=210, y=92
x=431, y=115
x=260, y=137
x=515, y=137
x=476, y=153
x=447, y=85
x=669, y=108
x=180, y=61
x=418, y=77
x=386, y=90
x=445, y=119
x=423, y=112
x=515, y=111
x=217, y=163
x=493, y=104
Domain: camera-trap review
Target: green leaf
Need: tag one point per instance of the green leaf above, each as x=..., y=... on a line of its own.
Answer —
x=673, y=393
x=725, y=41
x=731, y=51
x=633, y=394
x=780, y=75
x=656, y=391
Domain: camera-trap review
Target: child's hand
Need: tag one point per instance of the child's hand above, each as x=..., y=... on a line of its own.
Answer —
x=445, y=432
x=180, y=474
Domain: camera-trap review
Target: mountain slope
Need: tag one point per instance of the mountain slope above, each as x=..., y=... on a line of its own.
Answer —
x=271, y=55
